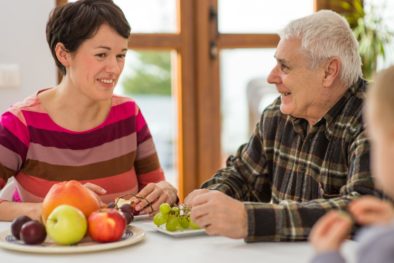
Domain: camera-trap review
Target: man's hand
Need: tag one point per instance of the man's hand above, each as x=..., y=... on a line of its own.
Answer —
x=330, y=231
x=189, y=198
x=219, y=214
x=371, y=210
x=153, y=195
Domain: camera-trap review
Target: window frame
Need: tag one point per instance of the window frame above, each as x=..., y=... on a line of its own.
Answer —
x=197, y=82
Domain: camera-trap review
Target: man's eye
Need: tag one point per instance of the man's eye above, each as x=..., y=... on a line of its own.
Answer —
x=284, y=67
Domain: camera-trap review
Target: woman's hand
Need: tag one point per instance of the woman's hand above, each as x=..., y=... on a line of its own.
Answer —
x=96, y=191
x=153, y=195
x=11, y=210
x=35, y=211
x=330, y=231
x=370, y=210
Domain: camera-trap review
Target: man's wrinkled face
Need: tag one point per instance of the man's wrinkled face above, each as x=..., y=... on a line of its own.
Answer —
x=300, y=86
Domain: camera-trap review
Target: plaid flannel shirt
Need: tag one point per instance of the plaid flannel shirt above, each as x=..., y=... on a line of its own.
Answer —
x=290, y=176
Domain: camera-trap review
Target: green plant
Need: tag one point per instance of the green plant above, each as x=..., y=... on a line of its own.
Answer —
x=370, y=31
x=151, y=74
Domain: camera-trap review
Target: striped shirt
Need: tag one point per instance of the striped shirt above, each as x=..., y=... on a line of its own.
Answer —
x=118, y=155
x=290, y=176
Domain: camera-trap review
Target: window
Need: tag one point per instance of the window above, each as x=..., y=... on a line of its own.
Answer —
x=147, y=78
x=215, y=52
x=244, y=93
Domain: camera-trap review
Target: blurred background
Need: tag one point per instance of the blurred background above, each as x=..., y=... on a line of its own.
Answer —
x=197, y=68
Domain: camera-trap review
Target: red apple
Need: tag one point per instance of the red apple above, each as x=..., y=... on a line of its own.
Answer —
x=106, y=225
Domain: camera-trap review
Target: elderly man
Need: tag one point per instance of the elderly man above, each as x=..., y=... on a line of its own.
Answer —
x=309, y=152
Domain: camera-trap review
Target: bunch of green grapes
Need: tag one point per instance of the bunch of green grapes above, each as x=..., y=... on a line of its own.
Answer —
x=176, y=218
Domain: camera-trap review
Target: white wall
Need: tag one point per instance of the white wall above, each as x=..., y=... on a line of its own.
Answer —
x=23, y=42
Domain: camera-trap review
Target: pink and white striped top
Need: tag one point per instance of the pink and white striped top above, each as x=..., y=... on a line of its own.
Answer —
x=118, y=155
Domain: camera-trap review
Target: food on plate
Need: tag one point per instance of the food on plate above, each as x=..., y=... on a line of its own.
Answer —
x=193, y=225
x=17, y=224
x=106, y=225
x=119, y=202
x=69, y=193
x=33, y=232
x=127, y=212
x=176, y=218
x=126, y=206
x=66, y=225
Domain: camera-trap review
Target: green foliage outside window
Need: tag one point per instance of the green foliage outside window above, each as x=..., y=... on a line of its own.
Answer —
x=150, y=76
x=370, y=31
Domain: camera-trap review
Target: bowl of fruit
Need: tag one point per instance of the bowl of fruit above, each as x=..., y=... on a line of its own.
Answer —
x=67, y=226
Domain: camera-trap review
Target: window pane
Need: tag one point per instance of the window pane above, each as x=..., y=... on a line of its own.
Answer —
x=150, y=16
x=385, y=9
x=244, y=93
x=256, y=16
x=147, y=79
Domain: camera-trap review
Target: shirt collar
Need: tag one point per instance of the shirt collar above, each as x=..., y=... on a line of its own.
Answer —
x=301, y=125
x=332, y=115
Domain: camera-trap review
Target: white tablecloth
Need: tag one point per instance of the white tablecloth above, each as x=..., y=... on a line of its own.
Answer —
x=160, y=248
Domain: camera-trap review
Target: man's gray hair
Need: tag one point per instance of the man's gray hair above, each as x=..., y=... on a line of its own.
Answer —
x=326, y=34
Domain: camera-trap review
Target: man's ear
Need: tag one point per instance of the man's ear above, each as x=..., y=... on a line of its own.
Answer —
x=62, y=54
x=331, y=71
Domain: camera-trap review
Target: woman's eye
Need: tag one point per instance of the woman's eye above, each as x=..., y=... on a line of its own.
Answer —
x=122, y=56
x=101, y=55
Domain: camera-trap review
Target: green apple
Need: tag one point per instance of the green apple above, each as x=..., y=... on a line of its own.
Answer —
x=66, y=225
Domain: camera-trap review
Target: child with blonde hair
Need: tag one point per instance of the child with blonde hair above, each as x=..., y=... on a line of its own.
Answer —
x=376, y=241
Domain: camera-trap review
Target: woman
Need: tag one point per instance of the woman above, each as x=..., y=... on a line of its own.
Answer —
x=80, y=130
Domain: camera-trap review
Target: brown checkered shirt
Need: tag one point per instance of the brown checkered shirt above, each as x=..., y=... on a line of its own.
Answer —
x=289, y=176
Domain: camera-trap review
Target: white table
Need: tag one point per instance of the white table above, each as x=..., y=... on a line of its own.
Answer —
x=160, y=248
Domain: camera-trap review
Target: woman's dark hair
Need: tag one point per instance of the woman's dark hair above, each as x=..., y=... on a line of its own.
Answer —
x=73, y=23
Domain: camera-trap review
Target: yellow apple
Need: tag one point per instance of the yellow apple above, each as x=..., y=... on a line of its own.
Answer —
x=66, y=225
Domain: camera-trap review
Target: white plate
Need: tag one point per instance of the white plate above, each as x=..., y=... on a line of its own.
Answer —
x=132, y=235
x=179, y=233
